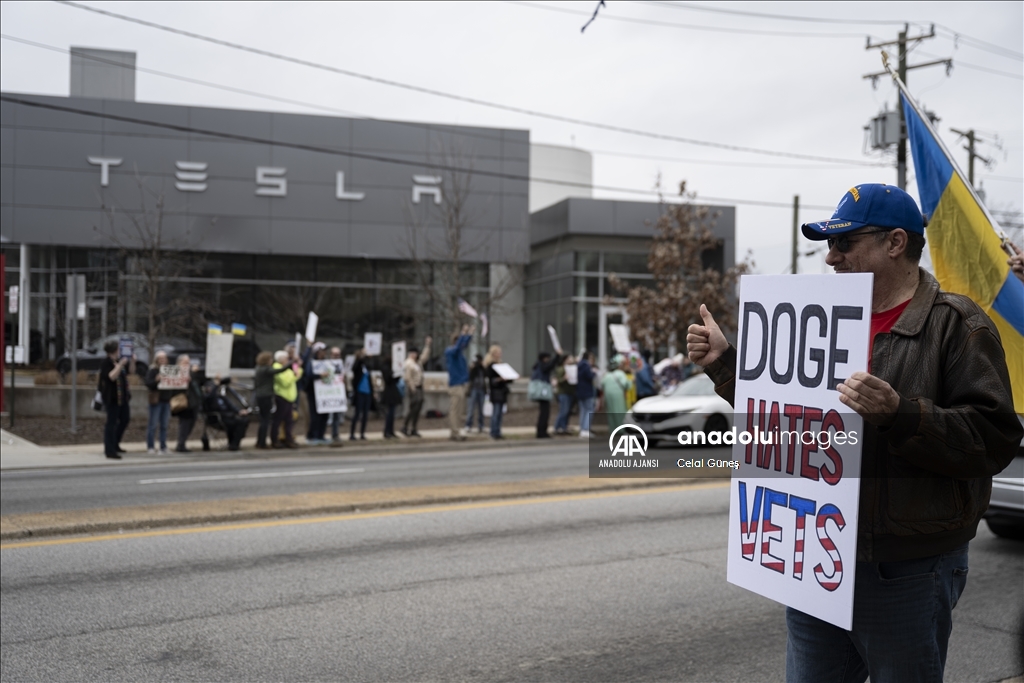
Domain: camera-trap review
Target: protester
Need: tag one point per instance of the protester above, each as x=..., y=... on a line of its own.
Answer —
x=362, y=388
x=458, y=377
x=285, y=392
x=628, y=366
x=317, y=420
x=263, y=393
x=939, y=422
x=159, y=405
x=566, y=396
x=390, y=397
x=113, y=388
x=412, y=373
x=1016, y=262
x=193, y=394
x=337, y=418
x=614, y=387
x=585, y=391
x=226, y=409
x=477, y=393
x=542, y=372
x=497, y=386
x=644, y=380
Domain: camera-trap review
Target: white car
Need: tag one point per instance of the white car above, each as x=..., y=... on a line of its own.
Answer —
x=691, y=405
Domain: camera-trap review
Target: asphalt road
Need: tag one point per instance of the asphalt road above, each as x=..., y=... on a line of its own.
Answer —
x=23, y=491
x=625, y=586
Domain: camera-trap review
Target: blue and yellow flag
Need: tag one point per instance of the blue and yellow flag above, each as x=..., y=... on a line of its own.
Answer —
x=965, y=248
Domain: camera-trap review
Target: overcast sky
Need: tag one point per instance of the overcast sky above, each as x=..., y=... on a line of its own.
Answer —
x=703, y=71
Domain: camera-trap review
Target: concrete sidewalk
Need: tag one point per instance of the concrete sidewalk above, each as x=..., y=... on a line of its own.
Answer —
x=17, y=453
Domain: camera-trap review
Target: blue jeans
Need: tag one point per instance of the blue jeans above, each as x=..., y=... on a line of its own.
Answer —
x=158, y=414
x=475, y=403
x=564, y=408
x=902, y=618
x=586, y=410
x=496, y=415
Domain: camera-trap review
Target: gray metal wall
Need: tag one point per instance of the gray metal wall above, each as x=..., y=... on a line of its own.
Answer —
x=51, y=194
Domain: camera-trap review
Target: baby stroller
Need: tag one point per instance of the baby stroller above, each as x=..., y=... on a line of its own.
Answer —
x=225, y=415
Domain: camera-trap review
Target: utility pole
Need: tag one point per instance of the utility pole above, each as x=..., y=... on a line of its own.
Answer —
x=796, y=230
x=972, y=138
x=901, y=41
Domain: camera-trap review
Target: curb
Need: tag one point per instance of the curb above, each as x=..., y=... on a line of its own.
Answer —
x=44, y=524
x=370, y=447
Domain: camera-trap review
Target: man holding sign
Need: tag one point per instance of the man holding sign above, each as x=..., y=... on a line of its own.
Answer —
x=939, y=422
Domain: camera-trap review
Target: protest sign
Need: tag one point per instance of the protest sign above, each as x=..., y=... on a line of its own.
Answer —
x=218, y=353
x=373, y=342
x=798, y=447
x=329, y=386
x=311, y=323
x=554, y=340
x=483, y=325
x=505, y=371
x=174, y=377
x=125, y=347
x=397, y=358
x=572, y=373
x=620, y=338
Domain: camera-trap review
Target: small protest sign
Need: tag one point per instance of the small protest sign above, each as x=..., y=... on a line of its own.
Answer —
x=620, y=338
x=397, y=358
x=173, y=377
x=218, y=353
x=505, y=371
x=373, y=342
x=329, y=386
x=799, y=451
x=572, y=373
x=555, y=344
x=311, y=323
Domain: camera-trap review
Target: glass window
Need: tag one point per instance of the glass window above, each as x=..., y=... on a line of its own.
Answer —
x=587, y=260
x=587, y=286
x=281, y=267
x=615, y=262
x=714, y=258
x=344, y=270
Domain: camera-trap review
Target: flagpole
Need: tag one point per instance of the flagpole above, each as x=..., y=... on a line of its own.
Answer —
x=945, y=150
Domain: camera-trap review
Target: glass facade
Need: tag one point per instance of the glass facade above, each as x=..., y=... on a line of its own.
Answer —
x=271, y=295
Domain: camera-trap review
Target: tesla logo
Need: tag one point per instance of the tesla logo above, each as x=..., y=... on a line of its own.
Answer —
x=625, y=440
x=426, y=184
x=191, y=176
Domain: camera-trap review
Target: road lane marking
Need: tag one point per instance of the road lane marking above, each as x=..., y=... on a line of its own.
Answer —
x=258, y=475
x=351, y=516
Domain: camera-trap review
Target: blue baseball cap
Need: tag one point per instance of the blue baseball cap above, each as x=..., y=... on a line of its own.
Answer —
x=870, y=204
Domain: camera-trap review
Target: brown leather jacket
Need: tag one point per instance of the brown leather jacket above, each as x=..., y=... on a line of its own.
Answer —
x=926, y=480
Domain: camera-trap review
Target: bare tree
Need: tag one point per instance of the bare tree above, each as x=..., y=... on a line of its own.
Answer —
x=440, y=258
x=157, y=263
x=682, y=281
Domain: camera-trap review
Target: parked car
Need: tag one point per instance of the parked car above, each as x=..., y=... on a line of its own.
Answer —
x=690, y=405
x=90, y=358
x=1005, y=515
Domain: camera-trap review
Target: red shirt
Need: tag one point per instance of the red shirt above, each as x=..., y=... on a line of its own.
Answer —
x=881, y=323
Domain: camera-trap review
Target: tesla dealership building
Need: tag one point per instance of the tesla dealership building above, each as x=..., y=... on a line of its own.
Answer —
x=271, y=215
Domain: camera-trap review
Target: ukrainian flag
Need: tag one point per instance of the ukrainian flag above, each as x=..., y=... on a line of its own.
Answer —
x=964, y=245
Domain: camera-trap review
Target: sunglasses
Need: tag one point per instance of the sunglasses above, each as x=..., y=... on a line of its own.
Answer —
x=842, y=242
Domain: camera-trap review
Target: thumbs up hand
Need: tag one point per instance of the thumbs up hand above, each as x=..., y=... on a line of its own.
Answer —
x=705, y=343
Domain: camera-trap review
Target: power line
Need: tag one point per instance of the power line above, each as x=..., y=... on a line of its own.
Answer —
x=960, y=62
x=605, y=16
x=470, y=100
x=418, y=125
x=956, y=35
x=370, y=157
x=764, y=15
x=712, y=162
